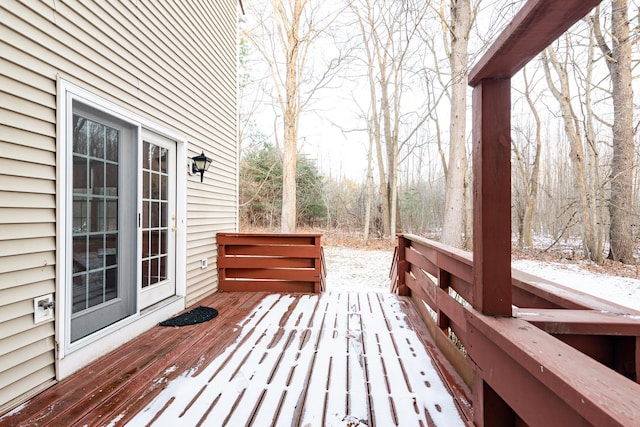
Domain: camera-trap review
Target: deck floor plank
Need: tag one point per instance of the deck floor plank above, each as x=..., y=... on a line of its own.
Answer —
x=334, y=359
x=202, y=348
x=144, y=380
x=96, y=383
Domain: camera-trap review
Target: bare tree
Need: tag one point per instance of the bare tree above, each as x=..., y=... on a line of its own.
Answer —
x=285, y=35
x=594, y=166
x=618, y=59
x=529, y=169
x=573, y=125
x=388, y=32
x=367, y=27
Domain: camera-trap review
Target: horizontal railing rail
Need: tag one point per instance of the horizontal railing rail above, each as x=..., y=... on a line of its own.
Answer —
x=252, y=262
x=574, y=354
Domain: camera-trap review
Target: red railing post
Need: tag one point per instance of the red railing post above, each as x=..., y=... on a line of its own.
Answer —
x=491, y=227
x=492, y=197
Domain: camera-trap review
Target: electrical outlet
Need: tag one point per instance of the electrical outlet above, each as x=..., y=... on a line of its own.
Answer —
x=204, y=262
x=43, y=308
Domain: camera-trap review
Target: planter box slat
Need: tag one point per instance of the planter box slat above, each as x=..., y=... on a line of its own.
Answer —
x=264, y=262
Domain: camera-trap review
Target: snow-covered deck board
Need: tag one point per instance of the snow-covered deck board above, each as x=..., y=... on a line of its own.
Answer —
x=334, y=359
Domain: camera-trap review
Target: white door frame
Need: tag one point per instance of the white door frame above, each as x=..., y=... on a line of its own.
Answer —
x=71, y=357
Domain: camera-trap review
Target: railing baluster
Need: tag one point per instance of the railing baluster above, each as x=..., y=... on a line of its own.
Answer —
x=443, y=283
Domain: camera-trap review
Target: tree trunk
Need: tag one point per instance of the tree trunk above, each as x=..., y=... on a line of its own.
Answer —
x=468, y=220
x=385, y=110
x=618, y=59
x=520, y=190
x=454, y=208
x=369, y=189
x=598, y=207
x=290, y=154
x=392, y=146
x=532, y=187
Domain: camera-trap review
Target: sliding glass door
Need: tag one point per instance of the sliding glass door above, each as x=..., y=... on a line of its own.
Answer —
x=123, y=220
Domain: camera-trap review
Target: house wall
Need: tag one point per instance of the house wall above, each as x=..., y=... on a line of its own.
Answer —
x=172, y=62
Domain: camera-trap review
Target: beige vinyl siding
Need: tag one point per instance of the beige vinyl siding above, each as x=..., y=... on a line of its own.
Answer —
x=26, y=184
x=27, y=232
x=171, y=62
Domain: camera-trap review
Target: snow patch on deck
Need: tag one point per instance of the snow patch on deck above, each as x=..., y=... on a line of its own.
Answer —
x=336, y=359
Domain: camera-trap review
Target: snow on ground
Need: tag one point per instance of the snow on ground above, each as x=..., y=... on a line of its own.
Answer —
x=351, y=269
x=368, y=270
x=620, y=290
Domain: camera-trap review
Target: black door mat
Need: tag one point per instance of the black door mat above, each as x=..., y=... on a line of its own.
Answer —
x=197, y=315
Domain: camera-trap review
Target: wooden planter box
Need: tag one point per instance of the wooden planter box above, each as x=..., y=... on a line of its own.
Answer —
x=271, y=262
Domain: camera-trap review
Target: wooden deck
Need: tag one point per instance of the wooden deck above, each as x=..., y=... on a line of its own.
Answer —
x=334, y=359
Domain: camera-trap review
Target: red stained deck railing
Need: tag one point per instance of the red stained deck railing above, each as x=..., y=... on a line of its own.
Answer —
x=253, y=262
x=562, y=358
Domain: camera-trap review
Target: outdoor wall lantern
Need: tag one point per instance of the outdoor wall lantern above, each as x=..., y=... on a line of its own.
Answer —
x=199, y=164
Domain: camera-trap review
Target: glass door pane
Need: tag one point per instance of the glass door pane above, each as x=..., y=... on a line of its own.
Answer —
x=155, y=223
x=102, y=225
x=95, y=220
x=158, y=218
